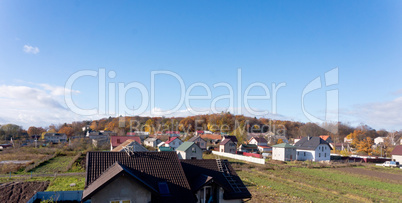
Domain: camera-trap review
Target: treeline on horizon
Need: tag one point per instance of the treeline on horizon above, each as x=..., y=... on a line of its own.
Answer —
x=224, y=122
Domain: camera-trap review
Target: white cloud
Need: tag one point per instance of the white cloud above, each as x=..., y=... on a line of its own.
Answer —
x=57, y=90
x=34, y=106
x=380, y=114
x=30, y=49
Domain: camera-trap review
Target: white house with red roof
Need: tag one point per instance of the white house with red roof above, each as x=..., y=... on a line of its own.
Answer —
x=173, y=142
x=397, y=154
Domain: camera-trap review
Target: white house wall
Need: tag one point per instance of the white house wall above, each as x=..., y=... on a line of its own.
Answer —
x=397, y=158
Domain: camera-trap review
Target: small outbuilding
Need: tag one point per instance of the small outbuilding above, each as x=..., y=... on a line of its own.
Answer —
x=189, y=150
x=284, y=152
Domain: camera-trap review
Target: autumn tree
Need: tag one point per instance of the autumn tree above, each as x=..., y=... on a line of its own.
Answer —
x=35, y=131
x=365, y=146
x=150, y=126
x=66, y=130
x=279, y=141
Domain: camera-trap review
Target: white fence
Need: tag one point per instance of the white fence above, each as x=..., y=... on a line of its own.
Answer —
x=240, y=157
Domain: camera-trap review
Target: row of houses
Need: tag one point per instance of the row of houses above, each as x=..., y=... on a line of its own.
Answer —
x=307, y=148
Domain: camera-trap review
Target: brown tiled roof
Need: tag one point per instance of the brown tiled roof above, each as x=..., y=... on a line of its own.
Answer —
x=259, y=139
x=200, y=171
x=225, y=141
x=397, y=150
x=148, y=167
x=211, y=136
x=138, y=147
x=233, y=138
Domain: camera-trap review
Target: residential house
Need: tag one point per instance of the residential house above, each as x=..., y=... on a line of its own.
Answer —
x=118, y=140
x=173, y=142
x=273, y=139
x=327, y=138
x=284, y=152
x=227, y=146
x=160, y=177
x=233, y=138
x=213, y=138
x=189, y=150
x=100, y=141
x=249, y=148
x=95, y=134
x=259, y=141
x=314, y=149
x=152, y=142
x=379, y=140
x=397, y=154
x=55, y=137
x=165, y=149
x=212, y=183
x=199, y=141
x=141, y=134
x=264, y=149
x=347, y=140
x=130, y=145
x=173, y=133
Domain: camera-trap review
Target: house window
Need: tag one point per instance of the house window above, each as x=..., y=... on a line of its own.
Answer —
x=322, y=148
x=297, y=153
x=319, y=154
x=325, y=154
x=193, y=150
x=206, y=194
x=304, y=153
x=120, y=201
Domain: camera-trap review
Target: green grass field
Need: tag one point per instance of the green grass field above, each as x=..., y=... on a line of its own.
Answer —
x=318, y=185
x=57, y=164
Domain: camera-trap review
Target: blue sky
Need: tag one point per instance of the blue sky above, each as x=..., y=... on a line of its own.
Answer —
x=43, y=43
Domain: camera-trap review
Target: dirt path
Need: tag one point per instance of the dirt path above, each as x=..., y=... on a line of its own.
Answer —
x=388, y=177
x=20, y=191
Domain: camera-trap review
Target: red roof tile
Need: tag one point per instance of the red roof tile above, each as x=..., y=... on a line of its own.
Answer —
x=117, y=140
x=397, y=150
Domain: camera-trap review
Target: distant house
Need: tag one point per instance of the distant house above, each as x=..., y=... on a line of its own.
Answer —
x=347, y=140
x=233, y=138
x=189, y=150
x=379, y=140
x=130, y=145
x=152, y=142
x=227, y=146
x=264, y=149
x=250, y=148
x=118, y=140
x=397, y=154
x=259, y=141
x=284, y=152
x=199, y=141
x=99, y=141
x=211, y=136
x=160, y=177
x=94, y=134
x=173, y=133
x=173, y=143
x=314, y=149
x=165, y=149
x=273, y=139
x=55, y=137
x=327, y=138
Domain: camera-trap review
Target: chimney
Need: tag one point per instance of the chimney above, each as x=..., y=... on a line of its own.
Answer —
x=308, y=137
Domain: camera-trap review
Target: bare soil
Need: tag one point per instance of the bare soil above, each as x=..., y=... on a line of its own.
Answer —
x=20, y=191
x=384, y=176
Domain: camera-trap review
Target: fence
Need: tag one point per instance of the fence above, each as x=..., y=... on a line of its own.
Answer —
x=240, y=157
x=58, y=196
